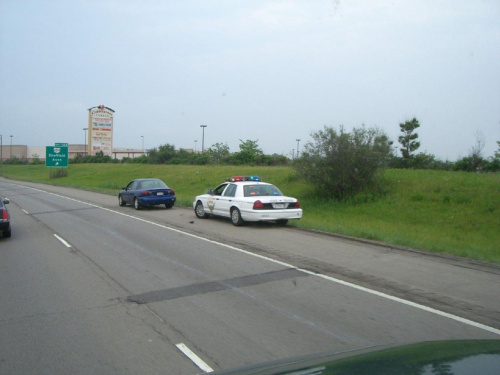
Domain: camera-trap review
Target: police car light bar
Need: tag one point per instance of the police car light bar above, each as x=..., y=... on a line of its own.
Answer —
x=245, y=178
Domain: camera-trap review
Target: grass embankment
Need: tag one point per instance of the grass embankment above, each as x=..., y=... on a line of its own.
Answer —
x=449, y=212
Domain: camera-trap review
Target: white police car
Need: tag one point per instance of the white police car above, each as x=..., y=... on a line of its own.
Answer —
x=247, y=198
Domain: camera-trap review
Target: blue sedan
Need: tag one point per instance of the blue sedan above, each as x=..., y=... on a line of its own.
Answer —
x=146, y=192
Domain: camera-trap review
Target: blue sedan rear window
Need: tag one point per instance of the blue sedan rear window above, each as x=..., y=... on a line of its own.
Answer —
x=152, y=184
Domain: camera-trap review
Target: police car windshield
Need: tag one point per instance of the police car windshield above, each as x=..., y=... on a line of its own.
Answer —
x=260, y=190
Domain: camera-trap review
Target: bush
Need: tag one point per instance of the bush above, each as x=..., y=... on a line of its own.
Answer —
x=492, y=165
x=13, y=160
x=142, y=159
x=98, y=158
x=35, y=160
x=419, y=161
x=58, y=172
x=475, y=164
x=340, y=164
x=469, y=164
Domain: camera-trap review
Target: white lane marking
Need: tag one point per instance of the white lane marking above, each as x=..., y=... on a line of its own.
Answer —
x=62, y=240
x=329, y=278
x=26, y=212
x=193, y=357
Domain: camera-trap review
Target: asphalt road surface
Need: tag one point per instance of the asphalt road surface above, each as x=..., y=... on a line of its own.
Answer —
x=90, y=287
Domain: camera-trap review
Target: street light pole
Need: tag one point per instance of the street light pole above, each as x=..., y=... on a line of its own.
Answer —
x=11, y=146
x=142, y=143
x=203, y=138
x=85, y=141
x=195, y=141
x=298, y=140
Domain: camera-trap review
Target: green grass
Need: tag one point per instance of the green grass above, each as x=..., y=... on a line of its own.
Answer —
x=447, y=212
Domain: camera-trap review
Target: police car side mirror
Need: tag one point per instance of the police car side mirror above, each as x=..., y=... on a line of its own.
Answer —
x=6, y=201
x=210, y=191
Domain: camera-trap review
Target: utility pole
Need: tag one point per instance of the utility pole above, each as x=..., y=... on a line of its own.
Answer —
x=85, y=140
x=203, y=138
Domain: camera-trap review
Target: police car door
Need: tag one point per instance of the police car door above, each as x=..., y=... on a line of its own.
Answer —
x=225, y=201
x=213, y=199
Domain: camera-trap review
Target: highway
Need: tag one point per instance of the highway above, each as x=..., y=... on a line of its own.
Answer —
x=90, y=287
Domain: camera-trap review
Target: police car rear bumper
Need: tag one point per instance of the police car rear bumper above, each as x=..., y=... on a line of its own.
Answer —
x=271, y=215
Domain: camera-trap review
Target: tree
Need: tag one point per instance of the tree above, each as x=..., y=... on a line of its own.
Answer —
x=218, y=153
x=35, y=159
x=164, y=154
x=408, y=139
x=476, y=152
x=251, y=147
x=340, y=164
x=475, y=161
x=250, y=152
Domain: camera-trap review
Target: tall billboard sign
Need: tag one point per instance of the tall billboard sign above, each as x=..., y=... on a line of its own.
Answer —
x=100, y=130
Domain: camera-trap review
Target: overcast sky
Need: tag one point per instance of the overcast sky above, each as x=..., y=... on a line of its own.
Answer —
x=273, y=71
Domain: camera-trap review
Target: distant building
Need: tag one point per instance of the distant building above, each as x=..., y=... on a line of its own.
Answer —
x=15, y=151
x=99, y=139
x=120, y=153
x=33, y=152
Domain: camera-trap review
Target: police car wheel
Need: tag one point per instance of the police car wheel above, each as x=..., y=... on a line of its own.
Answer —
x=236, y=217
x=199, y=211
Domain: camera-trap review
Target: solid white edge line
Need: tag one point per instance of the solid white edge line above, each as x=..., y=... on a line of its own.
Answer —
x=329, y=278
x=62, y=240
x=26, y=212
x=193, y=357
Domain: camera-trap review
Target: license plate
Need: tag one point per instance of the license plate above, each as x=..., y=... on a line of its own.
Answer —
x=159, y=193
x=278, y=205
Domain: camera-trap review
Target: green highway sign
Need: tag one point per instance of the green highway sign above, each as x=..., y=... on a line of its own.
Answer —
x=56, y=156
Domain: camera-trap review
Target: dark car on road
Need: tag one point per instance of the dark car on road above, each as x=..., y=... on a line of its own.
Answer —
x=147, y=192
x=434, y=357
x=4, y=218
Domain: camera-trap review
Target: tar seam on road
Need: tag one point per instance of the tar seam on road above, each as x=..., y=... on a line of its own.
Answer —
x=215, y=286
x=59, y=211
x=329, y=278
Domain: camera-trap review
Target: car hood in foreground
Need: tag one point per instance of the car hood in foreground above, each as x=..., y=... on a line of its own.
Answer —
x=436, y=357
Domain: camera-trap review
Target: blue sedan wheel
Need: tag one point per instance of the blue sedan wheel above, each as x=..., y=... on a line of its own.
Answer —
x=120, y=201
x=137, y=206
